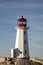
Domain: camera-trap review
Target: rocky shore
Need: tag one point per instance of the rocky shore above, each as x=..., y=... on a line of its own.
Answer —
x=16, y=61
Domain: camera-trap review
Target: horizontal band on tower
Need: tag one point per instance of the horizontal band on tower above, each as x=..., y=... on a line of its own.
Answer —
x=22, y=27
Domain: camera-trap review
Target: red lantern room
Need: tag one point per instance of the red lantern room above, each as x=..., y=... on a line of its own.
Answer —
x=22, y=22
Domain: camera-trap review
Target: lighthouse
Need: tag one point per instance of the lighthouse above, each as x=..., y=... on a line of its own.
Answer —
x=21, y=49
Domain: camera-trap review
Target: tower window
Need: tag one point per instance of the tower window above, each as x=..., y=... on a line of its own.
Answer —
x=25, y=51
x=21, y=52
x=25, y=41
x=24, y=32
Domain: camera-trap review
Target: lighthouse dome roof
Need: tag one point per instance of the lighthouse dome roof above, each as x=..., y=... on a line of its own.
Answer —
x=22, y=19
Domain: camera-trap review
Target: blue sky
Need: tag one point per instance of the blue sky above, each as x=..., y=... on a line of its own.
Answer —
x=10, y=11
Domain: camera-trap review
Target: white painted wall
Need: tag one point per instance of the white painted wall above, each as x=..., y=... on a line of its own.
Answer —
x=12, y=53
x=20, y=37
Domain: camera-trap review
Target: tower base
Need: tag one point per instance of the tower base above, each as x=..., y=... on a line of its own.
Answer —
x=22, y=61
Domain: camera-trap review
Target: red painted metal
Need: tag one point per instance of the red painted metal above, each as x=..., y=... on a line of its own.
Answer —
x=22, y=22
x=22, y=19
x=21, y=25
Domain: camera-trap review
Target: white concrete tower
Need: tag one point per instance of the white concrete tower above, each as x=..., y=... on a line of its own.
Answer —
x=21, y=49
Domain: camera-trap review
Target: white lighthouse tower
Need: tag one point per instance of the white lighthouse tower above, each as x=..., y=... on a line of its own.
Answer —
x=21, y=49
